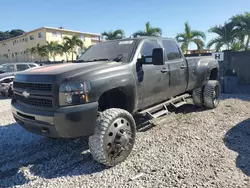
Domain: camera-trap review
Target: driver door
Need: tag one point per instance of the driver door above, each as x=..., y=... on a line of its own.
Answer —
x=152, y=79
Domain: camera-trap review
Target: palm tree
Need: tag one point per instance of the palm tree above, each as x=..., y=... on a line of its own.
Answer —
x=226, y=36
x=242, y=23
x=111, y=35
x=64, y=49
x=191, y=36
x=53, y=49
x=43, y=51
x=150, y=31
x=73, y=43
x=32, y=51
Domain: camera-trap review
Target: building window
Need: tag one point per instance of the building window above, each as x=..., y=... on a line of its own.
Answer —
x=56, y=34
x=13, y=42
x=21, y=53
x=23, y=39
x=40, y=35
x=26, y=39
x=20, y=40
x=32, y=37
x=82, y=37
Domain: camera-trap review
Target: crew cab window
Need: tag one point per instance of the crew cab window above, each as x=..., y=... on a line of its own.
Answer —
x=171, y=49
x=32, y=65
x=21, y=67
x=147, y=48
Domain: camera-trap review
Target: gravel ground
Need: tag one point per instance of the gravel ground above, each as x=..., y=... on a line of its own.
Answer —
x=189, y=148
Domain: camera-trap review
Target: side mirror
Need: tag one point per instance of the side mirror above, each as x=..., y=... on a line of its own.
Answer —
x=158, y=56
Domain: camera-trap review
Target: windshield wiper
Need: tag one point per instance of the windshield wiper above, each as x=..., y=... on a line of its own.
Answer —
x=80, y=61
x=101, y=59
x=118, y=58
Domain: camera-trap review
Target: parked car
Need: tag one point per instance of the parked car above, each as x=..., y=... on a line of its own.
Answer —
x=9, y=69
x=112, y=81
x=5, y=85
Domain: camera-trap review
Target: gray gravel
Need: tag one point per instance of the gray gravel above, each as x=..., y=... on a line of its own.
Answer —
x=189, y=148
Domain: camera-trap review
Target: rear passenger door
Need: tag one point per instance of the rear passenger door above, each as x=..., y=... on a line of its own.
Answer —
x=177, y=67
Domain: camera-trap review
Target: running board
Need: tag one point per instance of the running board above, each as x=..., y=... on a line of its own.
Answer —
x=161, y=109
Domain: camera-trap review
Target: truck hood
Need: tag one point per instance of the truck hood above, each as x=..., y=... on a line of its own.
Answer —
x=57, y=73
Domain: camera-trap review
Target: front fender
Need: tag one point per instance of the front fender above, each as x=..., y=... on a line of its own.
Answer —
x=122, y=79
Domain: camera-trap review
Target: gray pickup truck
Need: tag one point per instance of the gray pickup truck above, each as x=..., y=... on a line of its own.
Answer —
x=111, y=82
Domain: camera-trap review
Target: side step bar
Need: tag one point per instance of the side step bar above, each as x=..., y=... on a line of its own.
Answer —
x=161, y=109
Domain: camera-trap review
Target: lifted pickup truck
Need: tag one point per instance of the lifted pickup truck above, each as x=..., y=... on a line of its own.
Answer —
x=111, y=82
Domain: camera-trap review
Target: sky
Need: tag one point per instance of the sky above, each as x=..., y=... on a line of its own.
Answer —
x=130, y=15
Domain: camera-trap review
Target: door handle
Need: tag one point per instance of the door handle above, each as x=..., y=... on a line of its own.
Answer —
x=164, y=70
x=183, y=66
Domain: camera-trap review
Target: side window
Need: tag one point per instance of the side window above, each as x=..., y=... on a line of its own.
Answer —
x=147, y=48
x=21, y=67
x=32, y=65
x=171, y=49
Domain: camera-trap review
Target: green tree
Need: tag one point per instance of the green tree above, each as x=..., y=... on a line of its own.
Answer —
x=4, y=35
x=242, y=24
x=111, y=35
x=32, y=51
x=73, y=43
x=191, y=36
x=53, y=49
x=64, y=48
x=9, y=34
x=226, y=36
x=43, y=51
x=149, y=31
x=16, y=32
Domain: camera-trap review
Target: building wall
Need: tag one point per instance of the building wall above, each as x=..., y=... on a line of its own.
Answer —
x=52, y=35
x=14, y=49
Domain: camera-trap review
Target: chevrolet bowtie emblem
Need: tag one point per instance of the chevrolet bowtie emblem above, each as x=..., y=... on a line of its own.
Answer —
x=26, y=94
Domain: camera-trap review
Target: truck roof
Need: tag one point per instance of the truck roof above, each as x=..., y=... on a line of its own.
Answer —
x=141, y=38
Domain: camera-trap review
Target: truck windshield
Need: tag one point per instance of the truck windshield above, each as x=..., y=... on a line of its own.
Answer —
x=109, y=51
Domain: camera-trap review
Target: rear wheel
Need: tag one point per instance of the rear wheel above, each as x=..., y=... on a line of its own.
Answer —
x=211, y=94
x=114, y=137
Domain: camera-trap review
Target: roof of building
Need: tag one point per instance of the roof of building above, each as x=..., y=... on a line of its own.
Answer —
x=51, y=28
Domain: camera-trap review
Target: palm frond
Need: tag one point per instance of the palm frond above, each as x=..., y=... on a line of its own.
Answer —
x=196, y=33
x=199, y=43
x=140, y=33
x=187, y=29
x=180, y=37
x=214, y=42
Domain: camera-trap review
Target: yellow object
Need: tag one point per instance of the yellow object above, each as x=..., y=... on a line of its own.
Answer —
x=15, y=49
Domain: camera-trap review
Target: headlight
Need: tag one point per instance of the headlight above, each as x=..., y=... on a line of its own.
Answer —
x=74, y=92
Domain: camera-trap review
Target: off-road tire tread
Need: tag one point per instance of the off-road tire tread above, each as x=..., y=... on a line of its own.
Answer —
x=96, y=141
x=208, y=93
x=197, y=95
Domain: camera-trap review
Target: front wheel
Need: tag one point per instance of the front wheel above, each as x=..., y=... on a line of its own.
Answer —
x=211, y=94
x=114, y=137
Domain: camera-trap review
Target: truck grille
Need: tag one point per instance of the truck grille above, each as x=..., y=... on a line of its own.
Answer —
x=33, y=86
x=34, y=101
